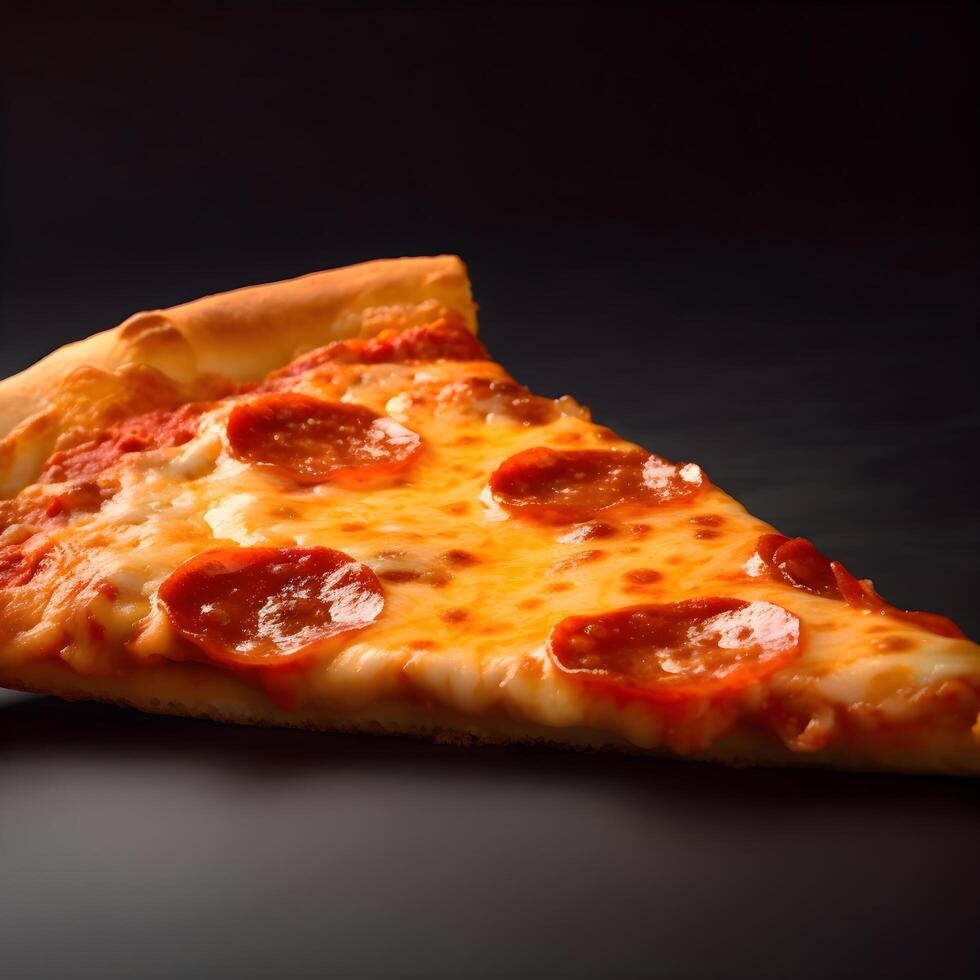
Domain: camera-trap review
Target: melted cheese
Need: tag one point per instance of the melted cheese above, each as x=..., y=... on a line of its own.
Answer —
x=471, y=594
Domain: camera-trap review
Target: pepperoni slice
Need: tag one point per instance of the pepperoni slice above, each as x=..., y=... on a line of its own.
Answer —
x=678, y=651
x=860, y=594
x=575, y=484
x=312, y=441
x=443, y=340
x=798, y=562
x=267, y=606
x=154, y=430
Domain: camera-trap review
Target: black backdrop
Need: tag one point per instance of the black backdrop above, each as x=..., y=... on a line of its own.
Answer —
x=744, y=234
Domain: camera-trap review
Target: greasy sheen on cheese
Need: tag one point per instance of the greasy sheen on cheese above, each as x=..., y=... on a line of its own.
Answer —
x=473, y=589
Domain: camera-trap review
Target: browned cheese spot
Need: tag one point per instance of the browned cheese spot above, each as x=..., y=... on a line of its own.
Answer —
x=460, y=558
x=708, y=520
x=573, y=561
x=895, y=644
x=590, y=531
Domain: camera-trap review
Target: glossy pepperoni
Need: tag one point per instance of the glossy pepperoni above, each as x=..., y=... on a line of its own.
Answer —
x=574, y=485
x=154, y=430
x=798, y=562
x=267, y=606
x=443, y=340
x=313, y=441
x=677, y=651
x=860, y=594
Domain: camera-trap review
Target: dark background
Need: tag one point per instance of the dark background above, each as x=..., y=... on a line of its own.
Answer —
x=744, y=234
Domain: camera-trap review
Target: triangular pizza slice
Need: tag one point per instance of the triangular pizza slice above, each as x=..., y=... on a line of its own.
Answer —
x=320, y=503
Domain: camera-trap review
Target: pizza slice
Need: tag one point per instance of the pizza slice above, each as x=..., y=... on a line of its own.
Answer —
x=319, y=503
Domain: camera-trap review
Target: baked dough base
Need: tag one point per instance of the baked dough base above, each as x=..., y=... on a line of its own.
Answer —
x=197, y=691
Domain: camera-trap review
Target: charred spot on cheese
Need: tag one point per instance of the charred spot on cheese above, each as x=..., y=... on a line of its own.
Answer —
x=589, y=531
x=642, y=576
x=397, y=566
x=708, y=520
x=313, y=441
x=573, y=561
x=558, y=486
x=426, y=576
x=423, y=645
x=459, y=558
x=454, y=615
x=707, y=534
x=894, y=644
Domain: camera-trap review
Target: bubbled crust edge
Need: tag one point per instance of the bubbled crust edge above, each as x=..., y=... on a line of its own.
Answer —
x=245, y=333
x=193, y=691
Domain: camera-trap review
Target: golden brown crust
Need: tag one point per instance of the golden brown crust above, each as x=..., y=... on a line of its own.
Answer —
x=194, y=691
x=241, y=335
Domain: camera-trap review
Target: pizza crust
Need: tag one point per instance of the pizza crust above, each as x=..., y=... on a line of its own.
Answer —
x=191, y=690
x=245, y=333
x=240, y=335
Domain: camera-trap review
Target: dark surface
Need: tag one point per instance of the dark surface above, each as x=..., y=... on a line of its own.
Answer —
x=745, y=236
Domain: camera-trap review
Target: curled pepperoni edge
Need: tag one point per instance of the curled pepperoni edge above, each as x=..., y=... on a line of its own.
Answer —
x=860, y=594
x=678, y=694
x=782, y=555
x=262, y=666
